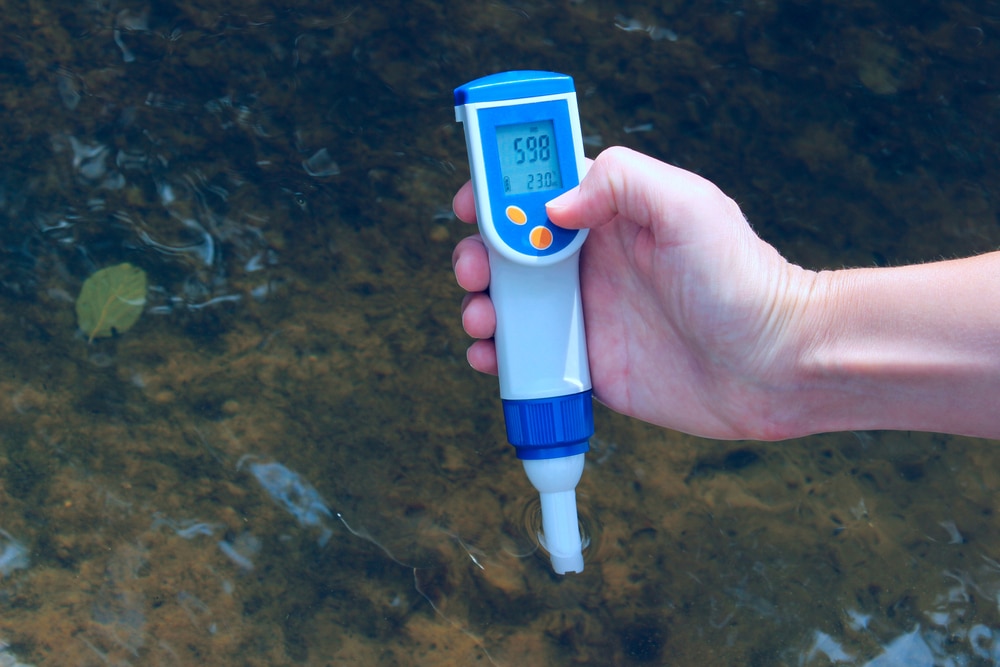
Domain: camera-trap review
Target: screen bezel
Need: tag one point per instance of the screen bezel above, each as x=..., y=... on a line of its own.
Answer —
x=489, y=119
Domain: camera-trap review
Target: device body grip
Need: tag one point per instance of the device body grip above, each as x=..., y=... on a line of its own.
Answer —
x=540, y=337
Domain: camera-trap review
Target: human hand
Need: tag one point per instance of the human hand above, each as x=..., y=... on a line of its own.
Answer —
x=690, y=317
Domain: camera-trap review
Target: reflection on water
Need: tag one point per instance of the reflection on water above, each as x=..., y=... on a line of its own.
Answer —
x=287, y=460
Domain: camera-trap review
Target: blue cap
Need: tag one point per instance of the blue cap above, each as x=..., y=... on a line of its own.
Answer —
x=550, y=428
x=513, y=86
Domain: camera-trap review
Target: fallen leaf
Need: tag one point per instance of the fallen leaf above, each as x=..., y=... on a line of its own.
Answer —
x=111, y=301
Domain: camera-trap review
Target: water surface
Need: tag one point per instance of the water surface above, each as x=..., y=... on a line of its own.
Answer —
x=287, y=461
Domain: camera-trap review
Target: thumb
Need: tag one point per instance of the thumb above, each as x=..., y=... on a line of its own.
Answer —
x=622, y=182
x=611, y=187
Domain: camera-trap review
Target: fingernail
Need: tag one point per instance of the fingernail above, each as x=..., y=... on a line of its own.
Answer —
x=562, y=201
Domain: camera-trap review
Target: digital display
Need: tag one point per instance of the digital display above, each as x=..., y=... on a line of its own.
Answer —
x=528, y=159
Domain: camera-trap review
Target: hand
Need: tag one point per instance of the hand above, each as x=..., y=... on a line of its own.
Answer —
x=689, y=315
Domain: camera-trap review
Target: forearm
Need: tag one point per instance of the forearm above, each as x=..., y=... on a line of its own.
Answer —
x=907, y=348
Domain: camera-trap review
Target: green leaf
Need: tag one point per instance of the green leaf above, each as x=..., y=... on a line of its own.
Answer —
x=111, y=301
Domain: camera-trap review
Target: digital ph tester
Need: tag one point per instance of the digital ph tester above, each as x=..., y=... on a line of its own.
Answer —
x=522, y=130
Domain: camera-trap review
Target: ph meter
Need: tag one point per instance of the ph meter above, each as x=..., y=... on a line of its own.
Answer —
x=522, y=131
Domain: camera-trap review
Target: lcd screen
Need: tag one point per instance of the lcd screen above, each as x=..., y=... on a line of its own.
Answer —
x=528, y=158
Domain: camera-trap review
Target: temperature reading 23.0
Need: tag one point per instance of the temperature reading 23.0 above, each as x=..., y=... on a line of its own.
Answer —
x=528, y=157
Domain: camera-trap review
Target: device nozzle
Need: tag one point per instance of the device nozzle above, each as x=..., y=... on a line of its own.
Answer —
x=556, y=480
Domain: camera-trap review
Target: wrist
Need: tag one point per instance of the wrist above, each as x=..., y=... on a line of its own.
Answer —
x=906, y=348
x=786, y=393
x=818, y=388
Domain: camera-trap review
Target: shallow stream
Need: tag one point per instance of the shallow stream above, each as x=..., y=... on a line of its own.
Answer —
x=287, y=460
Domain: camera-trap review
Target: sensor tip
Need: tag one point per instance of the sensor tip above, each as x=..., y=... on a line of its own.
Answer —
x=556, y=481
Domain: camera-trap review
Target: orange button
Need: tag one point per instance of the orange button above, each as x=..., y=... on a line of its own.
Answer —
x=516, y=215
x=540, y=237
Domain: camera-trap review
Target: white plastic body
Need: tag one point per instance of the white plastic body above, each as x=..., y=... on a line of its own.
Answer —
x=540, y=338
x=556, y=481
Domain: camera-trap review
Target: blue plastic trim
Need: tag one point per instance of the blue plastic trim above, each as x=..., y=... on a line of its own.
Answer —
x=533, y=203
x=550, y=428
x=513, y=86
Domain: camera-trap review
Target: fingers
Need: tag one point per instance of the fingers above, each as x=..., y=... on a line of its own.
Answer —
x=482, y=355
x=472, y=270
x=464, y=204
x=479, y=319
x=471, y=264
